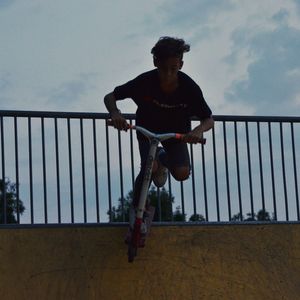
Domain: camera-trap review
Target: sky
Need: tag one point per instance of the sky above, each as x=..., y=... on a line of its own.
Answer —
x=67, y=55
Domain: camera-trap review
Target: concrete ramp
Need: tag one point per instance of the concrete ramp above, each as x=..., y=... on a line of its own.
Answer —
x=193, y=262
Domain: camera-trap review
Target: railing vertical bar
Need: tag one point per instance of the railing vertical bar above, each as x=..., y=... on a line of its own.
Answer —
x=193, y=181
x=182, y=199
x=158, y=194
x=261, y=167
x=44, y=171
x=283, y=173
x=108, y=173
x=132, y=155
x=17, y=168
x=250, y=171
x=121, y=175
x=204, y=183
x=83, y=171
x=226, y=171
x=272, y=170
x=4, y=206
x=238, y=170
x=216, y=173
x=96, y=170
x=295, y=171
x=70, y=169
x=57, y=171
x=170, y=193
x=30, y=171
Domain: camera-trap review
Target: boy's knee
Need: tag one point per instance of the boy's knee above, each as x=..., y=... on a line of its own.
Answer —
x=181, y=173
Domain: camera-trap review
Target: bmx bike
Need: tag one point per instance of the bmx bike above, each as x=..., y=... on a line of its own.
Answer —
x=140, y=218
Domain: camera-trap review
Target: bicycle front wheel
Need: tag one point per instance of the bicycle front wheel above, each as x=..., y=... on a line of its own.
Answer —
x=132, y=252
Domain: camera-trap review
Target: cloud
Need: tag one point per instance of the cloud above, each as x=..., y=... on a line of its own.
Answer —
x=281, y=16
x=273, y=77
x=6, y=84
x=195, y=17
x=193, y=12
x=6, y=3
x=50, y=43
x=194, y=20
x=70, y=92
x=5, y=81
x=297, y=3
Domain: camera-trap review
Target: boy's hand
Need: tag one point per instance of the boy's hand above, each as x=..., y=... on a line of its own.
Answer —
x=119, y=121
x=193, y=137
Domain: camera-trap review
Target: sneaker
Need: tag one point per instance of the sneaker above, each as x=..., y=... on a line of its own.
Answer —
x=161, y=174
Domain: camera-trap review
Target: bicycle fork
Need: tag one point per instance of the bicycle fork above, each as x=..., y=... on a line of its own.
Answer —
x=144, y=191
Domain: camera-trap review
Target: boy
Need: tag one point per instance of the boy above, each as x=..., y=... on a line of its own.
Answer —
x=166, y=99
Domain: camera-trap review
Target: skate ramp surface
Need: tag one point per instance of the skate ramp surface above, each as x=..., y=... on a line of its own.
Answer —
x=178, y=262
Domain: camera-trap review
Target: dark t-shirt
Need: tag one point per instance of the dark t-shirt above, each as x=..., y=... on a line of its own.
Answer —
x=161, y=112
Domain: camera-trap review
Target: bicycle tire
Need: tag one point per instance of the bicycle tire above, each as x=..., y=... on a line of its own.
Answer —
x=132, y=252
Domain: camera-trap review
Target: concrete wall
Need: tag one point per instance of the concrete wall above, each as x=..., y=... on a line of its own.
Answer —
x=197, y=262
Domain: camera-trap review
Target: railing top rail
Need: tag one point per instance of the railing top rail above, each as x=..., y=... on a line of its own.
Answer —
x=131, y=116
x=239, y=118
x=53, y=114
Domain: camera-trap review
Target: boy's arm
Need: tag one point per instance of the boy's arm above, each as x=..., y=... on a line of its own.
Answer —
x=196, y=135
x=116, y=116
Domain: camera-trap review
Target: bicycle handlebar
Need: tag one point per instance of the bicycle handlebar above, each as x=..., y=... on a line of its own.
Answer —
x=159, y=136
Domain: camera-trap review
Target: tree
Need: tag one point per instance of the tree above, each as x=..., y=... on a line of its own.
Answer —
x=13, y=205
x=262, y=215
x=178, y=215
x=162, y=199
x=250, y=217
x=162, y=202
x=120, y=214
x=197, y=218
x=237, y=217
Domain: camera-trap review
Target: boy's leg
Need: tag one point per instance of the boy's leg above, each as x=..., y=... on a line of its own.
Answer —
x=160, y=173
x=176, y=158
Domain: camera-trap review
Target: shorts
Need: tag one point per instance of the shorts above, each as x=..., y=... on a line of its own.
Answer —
x=177, y=154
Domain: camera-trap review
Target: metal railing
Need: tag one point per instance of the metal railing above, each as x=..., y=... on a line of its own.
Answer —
x=63, y=167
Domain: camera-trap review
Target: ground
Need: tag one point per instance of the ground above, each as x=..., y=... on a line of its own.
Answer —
x=178, y=262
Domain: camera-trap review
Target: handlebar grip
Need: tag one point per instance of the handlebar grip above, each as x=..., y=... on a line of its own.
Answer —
x=180, y=136
x=111, y=123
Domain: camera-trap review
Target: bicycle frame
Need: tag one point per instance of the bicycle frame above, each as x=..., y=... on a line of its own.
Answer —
x=155, y=139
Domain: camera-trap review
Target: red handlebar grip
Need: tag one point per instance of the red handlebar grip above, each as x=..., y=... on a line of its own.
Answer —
x=180, y=136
